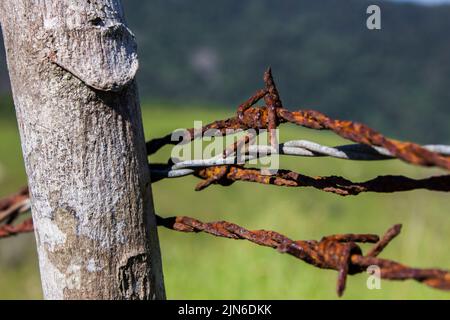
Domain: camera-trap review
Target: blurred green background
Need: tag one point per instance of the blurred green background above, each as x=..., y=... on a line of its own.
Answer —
x=199, y=59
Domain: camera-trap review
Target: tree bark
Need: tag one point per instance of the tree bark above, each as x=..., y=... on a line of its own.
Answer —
x=72, y=65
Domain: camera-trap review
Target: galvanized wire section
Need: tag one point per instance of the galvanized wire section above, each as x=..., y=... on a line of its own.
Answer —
x=305, y=148
x=209, y=168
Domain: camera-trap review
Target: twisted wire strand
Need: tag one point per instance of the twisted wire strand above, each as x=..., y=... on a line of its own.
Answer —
x=337, y=252
x=11, y=208
x=227, y=175
x=9, y=230
x=360, y=133
x=334, y=184
x=349, y=151
x=304, y=148
x=257, y=118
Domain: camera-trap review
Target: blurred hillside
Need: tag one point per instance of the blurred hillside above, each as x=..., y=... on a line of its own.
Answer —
x=323, y=57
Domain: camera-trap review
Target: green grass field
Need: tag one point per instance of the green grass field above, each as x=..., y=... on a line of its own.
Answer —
x=199, y=266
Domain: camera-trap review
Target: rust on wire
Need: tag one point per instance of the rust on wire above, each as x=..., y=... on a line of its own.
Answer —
x=10, y=209
x=269, y=116
x=12, y=206
x=8, y=230
x=357, y=132
x=257, y=118
x=228, y=174
x=273, y=103
x=337, y=252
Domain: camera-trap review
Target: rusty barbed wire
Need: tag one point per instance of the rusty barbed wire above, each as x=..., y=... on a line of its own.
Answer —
x=272, y=114
x=8, y=230
x=13, y=205
x=256, y=118
x=333, y=184
x=225, y=175
x=337, y=252
x=224, y=171
x=371, y=145
x=11, y=208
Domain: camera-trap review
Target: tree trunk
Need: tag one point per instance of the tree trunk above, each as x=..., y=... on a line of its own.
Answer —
x=72, y=65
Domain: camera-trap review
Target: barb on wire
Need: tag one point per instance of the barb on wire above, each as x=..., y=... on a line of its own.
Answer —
x=337, y=252
x=226, y=175
x=10, y=209
x=303, y=148
x=269, y=116
x=12, y=206
x=371, y=145
x=8, y=230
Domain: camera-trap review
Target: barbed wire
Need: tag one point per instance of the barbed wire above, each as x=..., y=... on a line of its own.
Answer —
x=338, y=252
x=262, y=118
x=334, y=184
x=13, y=205
x=8, y=230
x=304, y=148
x=226, y=175
x=11, y=208
x=227, y=168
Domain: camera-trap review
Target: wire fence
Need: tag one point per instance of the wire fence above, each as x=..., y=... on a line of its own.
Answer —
x=338, y=252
